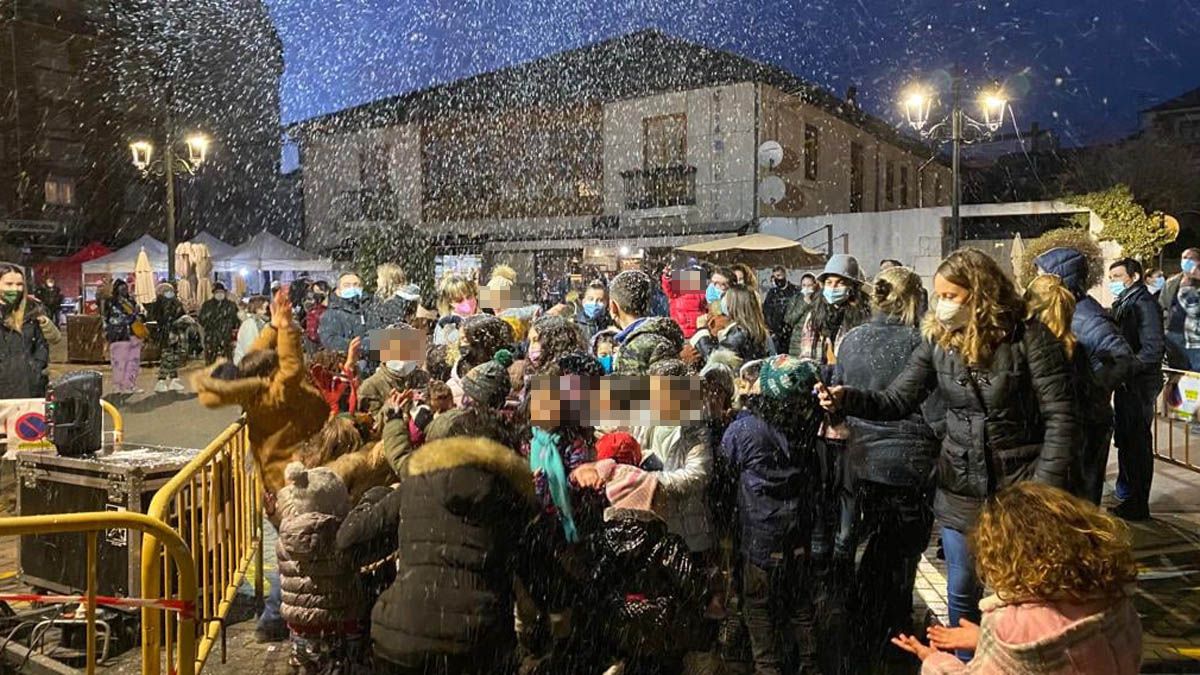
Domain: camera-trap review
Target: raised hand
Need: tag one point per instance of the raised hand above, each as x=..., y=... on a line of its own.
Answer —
x=281, y=310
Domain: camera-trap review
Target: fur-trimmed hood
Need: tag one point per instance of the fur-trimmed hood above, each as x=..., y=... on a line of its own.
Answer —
x=215, y=392
x=481, y=453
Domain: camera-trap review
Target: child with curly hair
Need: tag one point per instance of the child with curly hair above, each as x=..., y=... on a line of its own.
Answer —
x=1063, y=574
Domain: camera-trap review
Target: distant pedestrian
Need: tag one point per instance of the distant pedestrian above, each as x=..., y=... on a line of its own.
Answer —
x=775, y=305
x=51, y=297
x=167, y=313
x=219, y=319
x=252, y=325
x=126, y=332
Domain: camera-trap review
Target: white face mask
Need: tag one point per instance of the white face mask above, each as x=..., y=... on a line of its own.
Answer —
x=219, y=296
x=401, y=368
x=951, y=314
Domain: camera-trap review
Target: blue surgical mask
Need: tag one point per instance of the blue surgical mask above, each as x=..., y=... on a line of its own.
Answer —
x=712, y=293
x=836, y=296
x=1188, y=265
x=1116, y=288
x=1159, y=283
x=606, y=361
x=350, y=293
x=593, y=309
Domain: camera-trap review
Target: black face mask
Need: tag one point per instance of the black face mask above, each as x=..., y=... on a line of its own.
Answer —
x=780, y=283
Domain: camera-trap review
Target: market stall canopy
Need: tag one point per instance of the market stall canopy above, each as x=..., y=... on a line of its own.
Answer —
x=756, y=250
x=217, y=249
x=266, y=252
x=123, y=260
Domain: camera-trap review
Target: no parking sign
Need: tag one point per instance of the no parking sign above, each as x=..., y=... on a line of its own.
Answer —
x=24, y=424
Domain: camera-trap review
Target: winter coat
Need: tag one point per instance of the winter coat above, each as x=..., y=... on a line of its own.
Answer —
x=24, y=356
x=773, y=481
x=644, y=342
x=219, y=319
x=1013, y=420
x=899, y=453
x=734, y=338
x=282, y=410
x=345, y=320
x=119, y=317
x=374, y=391
x=1140, y=320
x=247, y=335
x=793, y=319
x=164, y=312
x=685, y=307
x=51, y=299
x=1168, y=301
x=589, y=326
x=458, y=517
x=312, y=323
x=389, y=311
x=682, y=491
x=775, y=306
x=1051, y=638
x=810, y=342
x=319, y=583
x=1106, y=359
x=650, y=594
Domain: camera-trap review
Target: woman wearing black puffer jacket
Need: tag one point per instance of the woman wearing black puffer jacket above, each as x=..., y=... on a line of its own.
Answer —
x=746, y=333
x=1006, y=384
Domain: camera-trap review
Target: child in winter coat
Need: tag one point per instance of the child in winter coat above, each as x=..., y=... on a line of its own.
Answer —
x=1063, y=572
x=686, y=296
x=321, y=601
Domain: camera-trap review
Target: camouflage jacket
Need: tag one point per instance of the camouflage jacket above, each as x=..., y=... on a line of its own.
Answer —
x=654, y=339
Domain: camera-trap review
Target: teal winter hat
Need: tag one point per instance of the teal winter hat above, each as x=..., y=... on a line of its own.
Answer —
x=785, y=376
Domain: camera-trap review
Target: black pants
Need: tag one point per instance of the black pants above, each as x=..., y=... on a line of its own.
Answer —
x=217, y=348
x=896, y=526
x=1132, y=432
x=835, y=507
x=1091, y=462
x=777, y=609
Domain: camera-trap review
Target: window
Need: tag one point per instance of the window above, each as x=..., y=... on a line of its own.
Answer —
x=664, y=141
x=1189, y=130
x=856, y=177
x=889, y=182
x=904, y=186
x=60, y=191
x=812, y=150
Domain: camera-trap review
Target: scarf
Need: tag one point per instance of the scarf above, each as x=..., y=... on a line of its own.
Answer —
x=544, y=457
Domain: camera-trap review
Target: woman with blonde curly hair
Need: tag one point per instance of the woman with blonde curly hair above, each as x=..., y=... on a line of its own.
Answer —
x=1063, y=574
x=457, y=300
x=1009, y=396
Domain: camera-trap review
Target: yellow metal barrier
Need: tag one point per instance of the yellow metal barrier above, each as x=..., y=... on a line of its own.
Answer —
x=215, y=505
x=154, y=530
x=1173, y=439
x=118, y=422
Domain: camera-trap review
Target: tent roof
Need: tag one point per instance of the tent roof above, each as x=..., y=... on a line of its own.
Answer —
x=90, y=252
x=123, y=259
x=757, y=250
x=217, y=249
x=267, y=252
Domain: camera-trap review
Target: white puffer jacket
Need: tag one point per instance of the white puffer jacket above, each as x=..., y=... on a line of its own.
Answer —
x=683, y=482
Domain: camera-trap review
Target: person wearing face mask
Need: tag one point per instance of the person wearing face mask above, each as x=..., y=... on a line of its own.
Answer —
x=1009, y=398
x=166, y=313
x=24, y=354
x=840, y=307
x=458, y=300
x=593, y=311
x=1155, y=282
x=347, y=316
x=51, y=297
x=1168, y=298
x=775, y=306
x=219, y=319
x=797, y=310
x=256, y=319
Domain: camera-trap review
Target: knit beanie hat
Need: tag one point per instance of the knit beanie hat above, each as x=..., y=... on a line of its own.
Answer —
x=579, y=363
x=620, y=447
x=318, y=490
x=785, y=376
x=488, y=383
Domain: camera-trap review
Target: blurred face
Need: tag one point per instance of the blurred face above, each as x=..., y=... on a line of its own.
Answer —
x=50, y=282
x=949, y=291
x=689, y=280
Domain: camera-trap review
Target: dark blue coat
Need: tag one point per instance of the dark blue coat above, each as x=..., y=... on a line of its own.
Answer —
x=772, y=484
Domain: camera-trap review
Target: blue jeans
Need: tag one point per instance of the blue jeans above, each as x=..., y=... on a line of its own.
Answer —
x=963, y=590
x=270, y=613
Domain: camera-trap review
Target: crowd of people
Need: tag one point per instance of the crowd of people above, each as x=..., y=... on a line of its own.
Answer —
x=660, y=468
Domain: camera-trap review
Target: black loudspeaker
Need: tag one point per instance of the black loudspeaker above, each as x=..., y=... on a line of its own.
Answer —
x=74, y=414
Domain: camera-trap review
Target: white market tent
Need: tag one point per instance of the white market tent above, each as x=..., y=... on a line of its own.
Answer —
x=123, y=260
x=217, y=249
x=266, y=252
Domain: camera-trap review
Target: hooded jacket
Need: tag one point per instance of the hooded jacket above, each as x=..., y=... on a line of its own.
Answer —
x=1013, y=420
x=645, y=342
x=685, y=307
x=1108, y=359
x=1050, y=638
x=24, y=356
x=590, y=326
x=345, y=320
x=458, y=516
x=282, y=410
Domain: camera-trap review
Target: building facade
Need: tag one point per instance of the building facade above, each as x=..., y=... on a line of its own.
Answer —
x=603, y=156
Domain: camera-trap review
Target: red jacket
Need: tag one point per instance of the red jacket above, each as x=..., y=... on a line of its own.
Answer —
x=686, y=307
x=312, y=320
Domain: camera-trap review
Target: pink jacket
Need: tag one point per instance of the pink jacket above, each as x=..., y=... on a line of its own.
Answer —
x=1100, y=637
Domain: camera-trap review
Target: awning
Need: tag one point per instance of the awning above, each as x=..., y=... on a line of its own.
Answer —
x=594, y=242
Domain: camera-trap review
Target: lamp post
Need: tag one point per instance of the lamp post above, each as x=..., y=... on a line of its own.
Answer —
x=143, y=152
x=957, y=127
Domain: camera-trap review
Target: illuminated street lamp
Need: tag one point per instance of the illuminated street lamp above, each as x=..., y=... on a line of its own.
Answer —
x=917, y=102
x=143, y=152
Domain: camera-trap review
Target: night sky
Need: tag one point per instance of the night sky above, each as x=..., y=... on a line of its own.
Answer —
x=1082, y=67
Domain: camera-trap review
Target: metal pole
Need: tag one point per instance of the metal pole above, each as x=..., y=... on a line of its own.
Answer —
x=956, y=138
x=169, y=172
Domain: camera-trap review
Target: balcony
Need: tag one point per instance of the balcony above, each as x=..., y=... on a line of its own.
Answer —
x=659, y=187
x=364, y=205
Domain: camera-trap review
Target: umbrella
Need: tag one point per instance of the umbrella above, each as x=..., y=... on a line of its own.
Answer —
x=1018, y=253
x=239, y=285
x=758, y=251
x=184, y=284
x=143, y=279
x=203, y=263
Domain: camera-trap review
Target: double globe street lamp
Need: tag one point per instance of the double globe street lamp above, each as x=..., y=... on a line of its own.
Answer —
x=143, y=158
x=957, y=127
